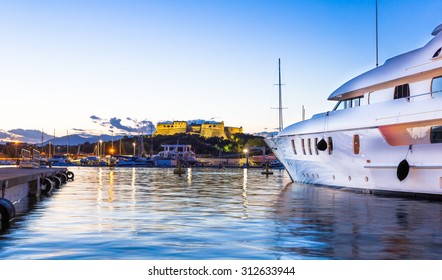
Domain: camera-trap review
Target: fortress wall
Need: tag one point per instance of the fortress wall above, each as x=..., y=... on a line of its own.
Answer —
x=195, y=128
x=230, y=131
x=171, y=129
x=213, y=130
x=206, y=130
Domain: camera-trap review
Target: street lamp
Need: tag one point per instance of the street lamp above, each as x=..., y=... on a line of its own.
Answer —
x=134, y=147
x=246, y=152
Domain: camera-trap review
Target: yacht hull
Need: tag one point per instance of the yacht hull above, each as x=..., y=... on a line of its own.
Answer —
x=371, y=163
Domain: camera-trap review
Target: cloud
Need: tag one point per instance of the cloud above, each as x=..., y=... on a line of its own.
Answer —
x=126, y=125
x=93, y=117
x=116, y=123
x=30, y=133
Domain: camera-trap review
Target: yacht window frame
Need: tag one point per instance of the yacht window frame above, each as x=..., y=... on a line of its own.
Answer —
x=330, y=145
x=294, y=147
x=434, y=139
x=349, y=103
x=356, y=144
x=402, y=91
x=316, y=146
x=438, y=92
x=303, y=146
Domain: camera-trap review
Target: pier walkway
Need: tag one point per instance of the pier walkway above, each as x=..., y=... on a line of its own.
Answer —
x=17, y=183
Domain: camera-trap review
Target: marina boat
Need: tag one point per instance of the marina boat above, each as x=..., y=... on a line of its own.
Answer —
x=171, y=155
x=60, y=161
x=134, y=161
x=384, y=134
x=276, y=164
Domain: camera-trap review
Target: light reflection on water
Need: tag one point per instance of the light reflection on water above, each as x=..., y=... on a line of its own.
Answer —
x=147, y=213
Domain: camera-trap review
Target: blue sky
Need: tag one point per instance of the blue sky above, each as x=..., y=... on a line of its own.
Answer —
x=62, y=62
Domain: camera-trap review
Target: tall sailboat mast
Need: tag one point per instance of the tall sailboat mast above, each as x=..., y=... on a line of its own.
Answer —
x=280, y=96
x=280, y=108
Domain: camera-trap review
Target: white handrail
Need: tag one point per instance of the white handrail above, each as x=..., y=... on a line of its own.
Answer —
x=28, y=161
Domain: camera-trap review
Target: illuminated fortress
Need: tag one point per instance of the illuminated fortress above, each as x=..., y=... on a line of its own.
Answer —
x=206, y=129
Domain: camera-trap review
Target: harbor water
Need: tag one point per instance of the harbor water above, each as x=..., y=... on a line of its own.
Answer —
x=150, y=213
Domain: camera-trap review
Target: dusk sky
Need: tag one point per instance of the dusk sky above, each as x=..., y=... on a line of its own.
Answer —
x=62, y=62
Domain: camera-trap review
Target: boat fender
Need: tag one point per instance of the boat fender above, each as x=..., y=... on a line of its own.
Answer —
x=57, y=182
x=62, y=177
x=7, y=212
x=322, y=145
x=70, y=175
x=46, y=186
x=402, y=170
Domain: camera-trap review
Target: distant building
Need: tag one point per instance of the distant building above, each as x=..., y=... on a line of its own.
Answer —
x=171, y=128
x=206, y=129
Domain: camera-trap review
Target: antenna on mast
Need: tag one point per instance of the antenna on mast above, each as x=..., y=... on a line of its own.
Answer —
x=377, y=38
x=280, y=108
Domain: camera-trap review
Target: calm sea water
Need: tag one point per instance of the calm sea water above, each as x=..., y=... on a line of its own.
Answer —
x=148, y=213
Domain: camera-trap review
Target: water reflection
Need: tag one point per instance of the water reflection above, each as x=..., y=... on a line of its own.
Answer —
x=189, y=176
x=146, y=213
x=345, y=225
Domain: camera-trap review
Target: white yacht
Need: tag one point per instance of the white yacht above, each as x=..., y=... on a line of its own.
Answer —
x=171, y=154
x=384, y=134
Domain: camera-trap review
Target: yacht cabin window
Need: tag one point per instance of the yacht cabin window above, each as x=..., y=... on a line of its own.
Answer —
x=303, y=146
x=402, y=91
x=294, y=147
x=356, y=144
x=316, y=146
x=436, y=134
x=330, y=145
x=436, y=87
x=348, y=103
x=437, y=53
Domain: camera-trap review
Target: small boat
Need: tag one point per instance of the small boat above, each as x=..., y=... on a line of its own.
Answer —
x=134, y=162
x=276, y=164
x=59, y=161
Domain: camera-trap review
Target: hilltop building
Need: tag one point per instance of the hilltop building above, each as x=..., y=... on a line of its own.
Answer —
x=206, y=129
